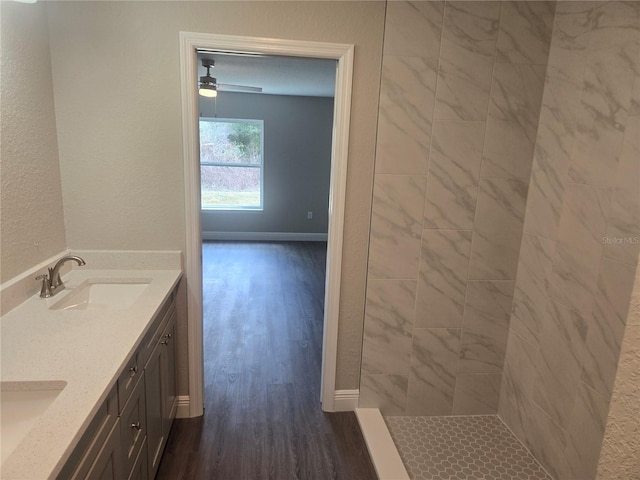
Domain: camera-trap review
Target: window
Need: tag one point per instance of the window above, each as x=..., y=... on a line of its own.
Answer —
x=231, y=163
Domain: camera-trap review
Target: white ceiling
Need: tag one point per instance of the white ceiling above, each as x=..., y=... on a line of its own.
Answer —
x=276, y=75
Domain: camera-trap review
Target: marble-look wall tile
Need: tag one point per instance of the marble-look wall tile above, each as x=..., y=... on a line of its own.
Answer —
x=614, y=23
x=606, y=326
x=514, y=110
x=396, y=225
x=477, y=394
x=432, y=377
x=547, y=441
x=606, y=98
x=485, y=326
x=443, y=277
x=571, y=27
x=532, y=286
x=525, y=32
x=497, y=231
x=585, y=432
x=388, y=326
x=405, y=115
x=469, y=37
x=634, y=108
x=622, y=241
x=582, y=225
x=562, y=345
x=454, y=170
x=386, y=392
x=520, y=363
x=572, y=289
x=413, y=29
x=553, y=147
x=535, y=429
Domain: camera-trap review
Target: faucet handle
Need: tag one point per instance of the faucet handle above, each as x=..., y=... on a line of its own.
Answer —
x=45, y=291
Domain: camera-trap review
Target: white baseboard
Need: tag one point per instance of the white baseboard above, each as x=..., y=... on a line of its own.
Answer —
x=383, y=452
x=183, y=406
x=266, y=236
x=346, y=400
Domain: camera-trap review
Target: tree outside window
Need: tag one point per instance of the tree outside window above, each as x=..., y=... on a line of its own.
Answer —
x=231, y=163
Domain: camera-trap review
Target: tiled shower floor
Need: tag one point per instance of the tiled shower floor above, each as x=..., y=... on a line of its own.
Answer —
x=462, y=448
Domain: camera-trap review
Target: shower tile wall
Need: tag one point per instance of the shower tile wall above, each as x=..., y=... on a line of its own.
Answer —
x=460, y=100
x=580, y=246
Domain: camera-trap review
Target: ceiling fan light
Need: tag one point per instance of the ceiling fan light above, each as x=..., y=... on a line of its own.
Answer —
x=207, y=90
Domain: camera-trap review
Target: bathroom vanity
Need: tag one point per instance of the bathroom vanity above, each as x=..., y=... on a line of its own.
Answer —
x=98, y=366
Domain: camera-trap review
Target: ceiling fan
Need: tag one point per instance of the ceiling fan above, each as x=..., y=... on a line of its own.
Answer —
x=209, y=86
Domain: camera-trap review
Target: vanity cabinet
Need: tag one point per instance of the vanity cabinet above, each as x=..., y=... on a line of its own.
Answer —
x=107, y=465
x=127, y=436
x=160, y=377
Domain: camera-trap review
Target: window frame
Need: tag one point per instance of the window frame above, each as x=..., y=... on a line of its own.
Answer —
x=241, y=165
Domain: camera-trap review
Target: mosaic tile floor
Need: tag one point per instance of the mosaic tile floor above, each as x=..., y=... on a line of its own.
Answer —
x=462, y=448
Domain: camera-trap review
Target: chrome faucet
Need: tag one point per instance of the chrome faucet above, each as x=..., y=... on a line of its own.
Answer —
x=52, y=283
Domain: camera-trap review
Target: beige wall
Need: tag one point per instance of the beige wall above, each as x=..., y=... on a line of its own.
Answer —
x=461, y=91
x=116, y=81
x=32, y=228
x=620, y=454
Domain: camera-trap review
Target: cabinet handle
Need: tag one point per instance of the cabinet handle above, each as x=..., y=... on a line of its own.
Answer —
x=164, y=342
x=169, y=335
x=136, y=426
x=133, y=370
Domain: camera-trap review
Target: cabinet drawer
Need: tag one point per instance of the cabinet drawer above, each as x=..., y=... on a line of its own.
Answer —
x=133, y=426
x=155, y=330
x=128, y=379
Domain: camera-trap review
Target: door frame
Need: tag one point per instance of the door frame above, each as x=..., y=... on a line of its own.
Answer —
x=343, y=53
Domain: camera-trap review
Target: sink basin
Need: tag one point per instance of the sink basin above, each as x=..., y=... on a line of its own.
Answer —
x=103, y=294
x=21, y=404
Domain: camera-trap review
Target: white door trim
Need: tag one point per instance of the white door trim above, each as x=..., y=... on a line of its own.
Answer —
x=343, y=53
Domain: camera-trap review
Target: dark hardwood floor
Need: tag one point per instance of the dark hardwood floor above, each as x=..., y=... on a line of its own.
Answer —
x=263, y=305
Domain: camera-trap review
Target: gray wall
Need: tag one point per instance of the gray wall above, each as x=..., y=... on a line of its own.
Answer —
x=297, y=162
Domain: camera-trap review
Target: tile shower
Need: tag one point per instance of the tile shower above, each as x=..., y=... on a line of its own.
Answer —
x=506, y=204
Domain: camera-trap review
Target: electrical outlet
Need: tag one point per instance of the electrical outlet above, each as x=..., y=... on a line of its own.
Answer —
x=309, y=215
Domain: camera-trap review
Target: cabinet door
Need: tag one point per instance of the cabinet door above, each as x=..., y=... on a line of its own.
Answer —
x=153, y=387
x=169, y=398
x=108, y=465
x=140, y=470
x=133, y=426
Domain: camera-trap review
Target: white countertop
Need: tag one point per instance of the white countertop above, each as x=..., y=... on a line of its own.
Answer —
x=85, y=349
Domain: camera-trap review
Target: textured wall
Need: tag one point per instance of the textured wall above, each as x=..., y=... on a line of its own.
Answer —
x=620, y=455
x=461, y=91
x=580, y=247
x=116, y=80
x=297, y=162
x=32, y=227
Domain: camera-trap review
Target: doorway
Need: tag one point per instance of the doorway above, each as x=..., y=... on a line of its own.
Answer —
x=189, y=44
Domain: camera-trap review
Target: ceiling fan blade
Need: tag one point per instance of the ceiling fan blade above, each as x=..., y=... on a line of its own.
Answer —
x=239, y=88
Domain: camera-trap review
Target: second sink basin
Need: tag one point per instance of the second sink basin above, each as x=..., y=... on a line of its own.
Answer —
x=103, y=294
x=21, y=404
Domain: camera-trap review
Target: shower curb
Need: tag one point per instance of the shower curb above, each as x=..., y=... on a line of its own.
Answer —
x=383, y=452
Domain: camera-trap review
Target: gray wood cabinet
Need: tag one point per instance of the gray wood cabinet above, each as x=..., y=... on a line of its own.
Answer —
x=160, y=381
x=126, y=438
x=108, y=464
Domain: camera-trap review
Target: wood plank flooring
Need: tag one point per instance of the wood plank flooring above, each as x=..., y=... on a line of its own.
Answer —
x=263, y=305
